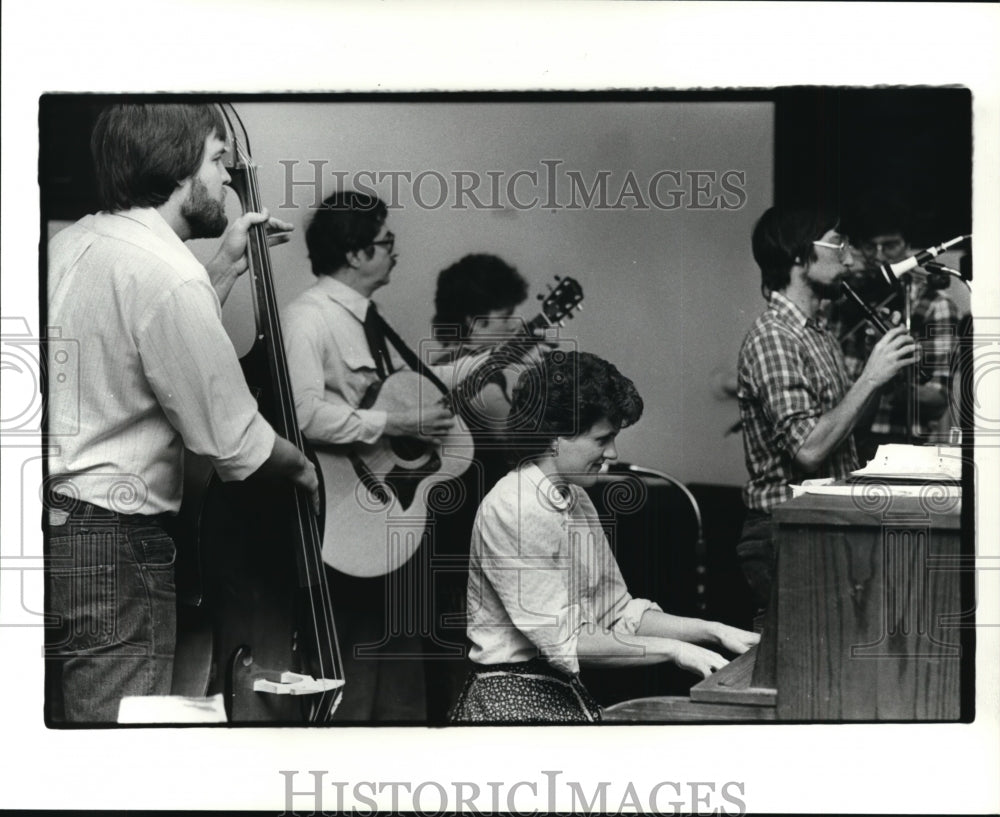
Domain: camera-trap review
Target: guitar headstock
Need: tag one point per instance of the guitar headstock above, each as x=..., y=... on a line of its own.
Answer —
x=564, y=299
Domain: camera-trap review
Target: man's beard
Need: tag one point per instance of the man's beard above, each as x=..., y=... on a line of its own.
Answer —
x=206, y=217
x=823, y=290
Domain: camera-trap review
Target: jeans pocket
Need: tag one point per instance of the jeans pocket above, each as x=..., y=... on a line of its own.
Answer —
x=154, y=549
x=83, y=599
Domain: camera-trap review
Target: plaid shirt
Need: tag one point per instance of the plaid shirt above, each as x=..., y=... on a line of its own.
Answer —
x=933, y=321
x=791, y=372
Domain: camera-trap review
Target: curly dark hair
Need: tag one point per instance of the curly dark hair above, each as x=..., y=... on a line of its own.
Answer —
x=565, y=395
x=346, y=222
x=473, y=286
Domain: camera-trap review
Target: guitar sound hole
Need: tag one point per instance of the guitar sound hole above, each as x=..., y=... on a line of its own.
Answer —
x=404, y=483
x=409, y=448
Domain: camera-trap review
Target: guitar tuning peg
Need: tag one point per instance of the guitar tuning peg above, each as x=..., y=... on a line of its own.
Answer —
x=558, y=277
x=562, y=322
x=540, y=297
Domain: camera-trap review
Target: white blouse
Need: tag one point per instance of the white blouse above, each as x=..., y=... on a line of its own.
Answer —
x=540, y=570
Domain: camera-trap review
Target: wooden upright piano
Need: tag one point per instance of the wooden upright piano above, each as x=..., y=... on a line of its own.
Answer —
x=865, y=623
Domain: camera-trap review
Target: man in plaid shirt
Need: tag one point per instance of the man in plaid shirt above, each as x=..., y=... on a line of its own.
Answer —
x=913, y=407
x=797, y=403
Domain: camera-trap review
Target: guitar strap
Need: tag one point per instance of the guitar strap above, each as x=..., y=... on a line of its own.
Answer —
x=375, y=336
x=377, y=331
x=409, y=356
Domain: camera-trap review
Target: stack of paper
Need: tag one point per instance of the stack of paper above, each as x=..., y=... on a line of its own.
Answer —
x=898, y=470
x=922, y=463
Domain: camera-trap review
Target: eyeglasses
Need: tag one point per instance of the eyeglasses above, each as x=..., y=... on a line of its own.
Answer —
x=843, y=248
x=389, y=242
x=888, y=248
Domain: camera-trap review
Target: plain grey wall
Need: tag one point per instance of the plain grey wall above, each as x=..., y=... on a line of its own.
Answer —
x=669, y=294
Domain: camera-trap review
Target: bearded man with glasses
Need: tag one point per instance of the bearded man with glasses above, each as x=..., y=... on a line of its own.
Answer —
x=797, y=403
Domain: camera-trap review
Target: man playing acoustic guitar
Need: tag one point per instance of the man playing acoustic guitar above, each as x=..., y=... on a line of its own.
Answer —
x=337, y=352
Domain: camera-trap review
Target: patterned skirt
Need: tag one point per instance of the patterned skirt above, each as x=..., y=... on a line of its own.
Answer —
x=525, y=692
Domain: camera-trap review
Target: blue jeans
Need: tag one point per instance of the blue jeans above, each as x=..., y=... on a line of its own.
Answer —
x=111, y=605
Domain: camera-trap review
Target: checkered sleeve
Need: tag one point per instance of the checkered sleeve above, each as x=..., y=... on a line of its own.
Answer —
x=787, y=397
x=938, y=342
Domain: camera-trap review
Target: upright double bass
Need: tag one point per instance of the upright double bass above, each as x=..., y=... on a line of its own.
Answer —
x=256, y=621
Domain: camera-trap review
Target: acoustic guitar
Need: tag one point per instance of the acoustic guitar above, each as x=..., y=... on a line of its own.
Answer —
x=378, y=494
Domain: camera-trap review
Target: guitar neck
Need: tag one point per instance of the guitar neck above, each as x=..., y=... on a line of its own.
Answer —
x=477, y=380
x=559, y=304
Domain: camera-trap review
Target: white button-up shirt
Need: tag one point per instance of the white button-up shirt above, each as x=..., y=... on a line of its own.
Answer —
x=331, y=366
x=157, y=371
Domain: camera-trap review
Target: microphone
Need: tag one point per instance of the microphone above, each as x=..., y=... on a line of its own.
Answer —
x=891, y=272
x=933, y=266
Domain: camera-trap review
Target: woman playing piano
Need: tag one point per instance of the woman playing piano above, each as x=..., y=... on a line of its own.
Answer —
x=545, y=594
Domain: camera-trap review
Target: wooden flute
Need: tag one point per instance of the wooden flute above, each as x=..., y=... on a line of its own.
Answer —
x=870, y=313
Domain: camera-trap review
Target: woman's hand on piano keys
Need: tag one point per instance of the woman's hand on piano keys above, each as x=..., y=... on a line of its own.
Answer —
x=733, y=639
x=696, y=659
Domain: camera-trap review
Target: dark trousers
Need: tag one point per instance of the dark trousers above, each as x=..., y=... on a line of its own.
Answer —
x=448, y=647
x=379, y=629
x=111, y=607
x=756, y=553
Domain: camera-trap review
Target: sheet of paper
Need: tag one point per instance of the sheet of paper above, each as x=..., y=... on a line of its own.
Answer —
x=925, y=462
x=171, y=709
